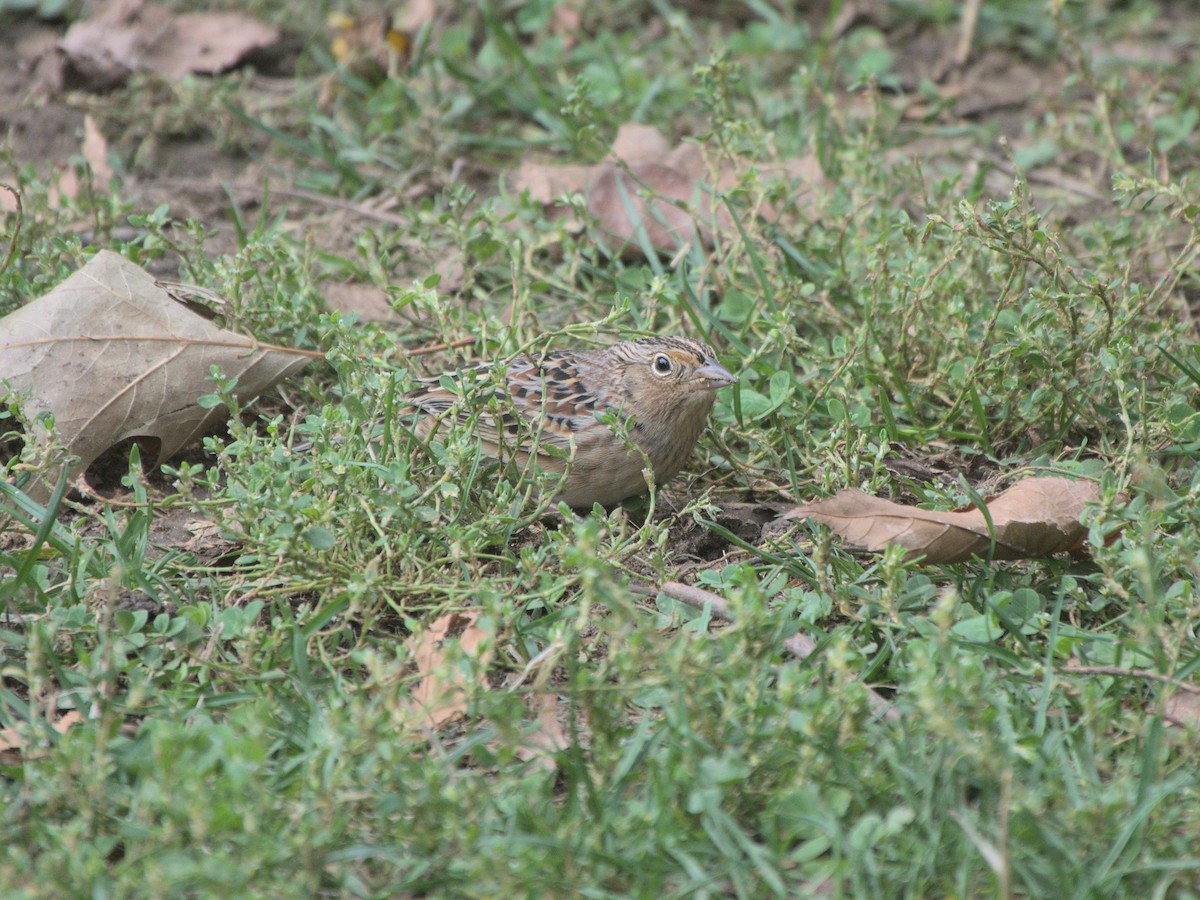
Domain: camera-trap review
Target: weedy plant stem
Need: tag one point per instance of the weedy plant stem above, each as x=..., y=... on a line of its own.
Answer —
x=797, y=645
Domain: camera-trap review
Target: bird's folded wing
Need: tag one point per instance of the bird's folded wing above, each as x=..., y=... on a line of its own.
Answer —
x=538, y=406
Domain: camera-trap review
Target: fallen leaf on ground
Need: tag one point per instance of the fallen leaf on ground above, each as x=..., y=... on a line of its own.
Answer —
x=547, y=737
x=9, y=199
x=63, y=187
x=113, y=357
x=123, y=36
x=1183, y=708
x=416, y=14
x=1035, y=518
x=13, y=741
x=637, y=144
x=95, y=149
x=650, y=193
x=440, y=696
x=39, y=55
x=566, y=21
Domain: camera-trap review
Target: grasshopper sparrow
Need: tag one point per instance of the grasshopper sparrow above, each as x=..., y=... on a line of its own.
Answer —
x=663, y=387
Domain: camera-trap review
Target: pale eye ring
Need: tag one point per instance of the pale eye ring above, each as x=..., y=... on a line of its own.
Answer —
x=662, y=364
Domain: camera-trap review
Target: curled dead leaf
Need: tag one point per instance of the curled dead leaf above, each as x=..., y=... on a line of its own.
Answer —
x=541, y=741
x=650, y=202
x=112, y=357
x=567, y=21
x=440, y=696
x=1183, y=708
x=648, y=195
x=1035, y=518
x=95, y=150
x=547, y=736
x=547, y=183
x=14, y=742
x=636, y=143
x=126, y=35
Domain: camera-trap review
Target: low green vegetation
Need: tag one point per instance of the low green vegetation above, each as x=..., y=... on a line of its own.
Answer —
x=991, y=295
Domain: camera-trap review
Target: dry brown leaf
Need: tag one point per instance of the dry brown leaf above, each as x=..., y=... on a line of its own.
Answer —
x=35, y=43
x=566, y=21
x=643, y=193
x=453, y=274
x=125, y=35
x=636, y=143
x=207, y=43
x=670, y=206
x=63, y=188
x=1183, y=708
x=647, y=184
x=1035, y=518
x=804, y=172
x=547, y=183
x=113, y=357
x=13, y=748
x=416, y=14
x=440, y=696
x=548, y=736
x=207, y=541
x=39, y=55
x=95, y=150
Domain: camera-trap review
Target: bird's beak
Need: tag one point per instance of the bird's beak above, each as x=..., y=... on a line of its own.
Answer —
x=714, y=375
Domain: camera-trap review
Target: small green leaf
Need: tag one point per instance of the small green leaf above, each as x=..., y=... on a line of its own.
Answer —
x=754, y=404
x=979, y=629
x=319, y=538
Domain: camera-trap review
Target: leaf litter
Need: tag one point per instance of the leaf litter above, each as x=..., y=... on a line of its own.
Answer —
x=15, y=744
x=648, y=194
x=124, y=36
x=112, y=356
x=1035, y=518
x=453, y=654
x=545, y=738
x=440, y=697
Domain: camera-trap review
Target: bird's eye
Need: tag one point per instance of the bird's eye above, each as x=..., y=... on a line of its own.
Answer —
x=662, y=364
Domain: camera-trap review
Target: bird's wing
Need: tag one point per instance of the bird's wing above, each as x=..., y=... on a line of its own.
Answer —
x=545, y=402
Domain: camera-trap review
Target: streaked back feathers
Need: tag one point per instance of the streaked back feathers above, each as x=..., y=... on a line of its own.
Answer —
x=666, y=385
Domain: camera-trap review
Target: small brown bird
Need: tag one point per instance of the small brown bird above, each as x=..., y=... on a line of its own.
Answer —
x=663, y=386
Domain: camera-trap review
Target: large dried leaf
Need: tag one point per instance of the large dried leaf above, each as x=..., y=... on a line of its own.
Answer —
x=649, y=193
x=1183, y=708
x=14, y=747
x=126, y=35
x=1036, y=517
x=546, y=737
x=441, y=696
x=95, y=150
x=113, y=357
